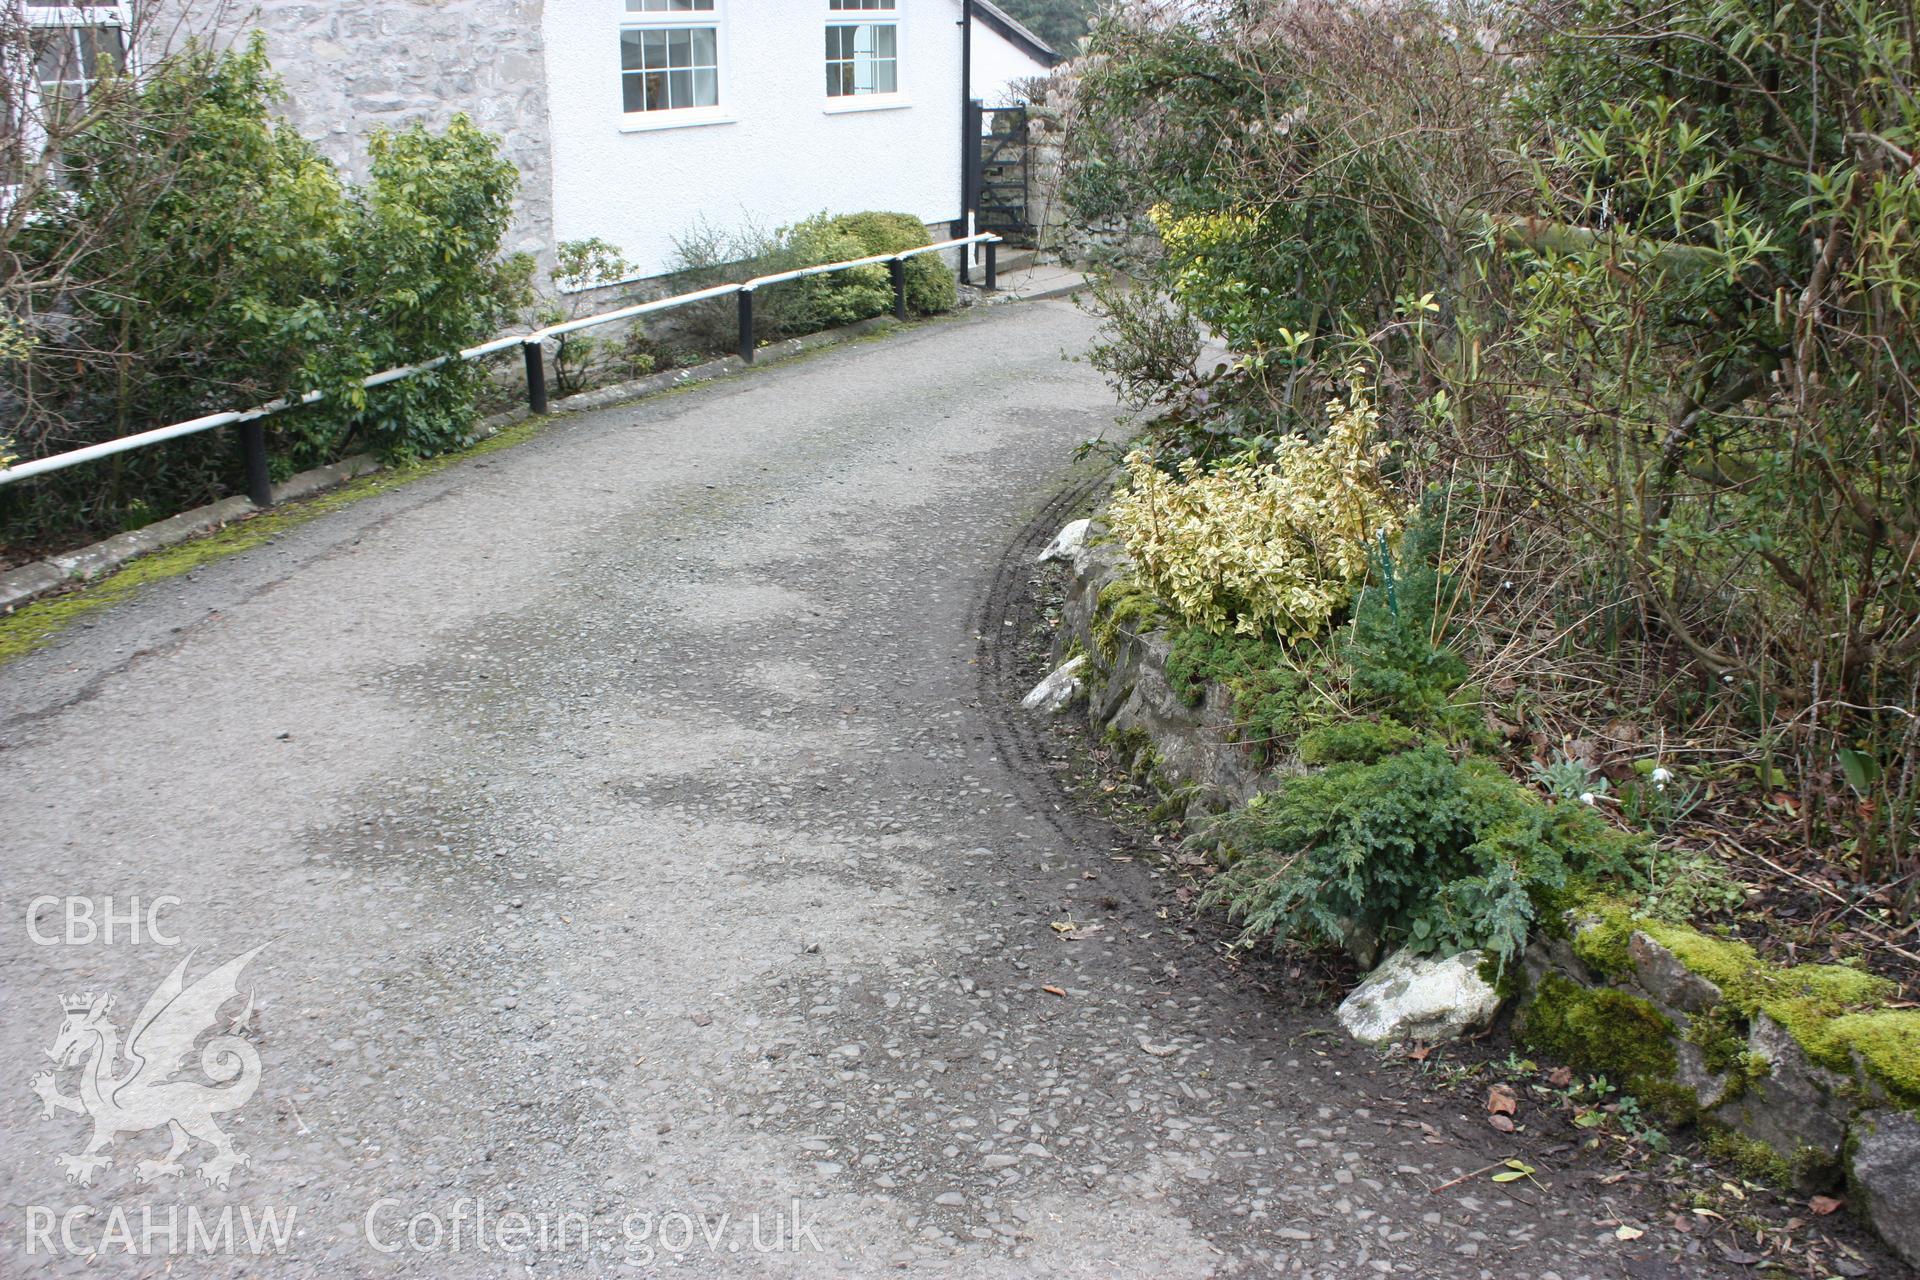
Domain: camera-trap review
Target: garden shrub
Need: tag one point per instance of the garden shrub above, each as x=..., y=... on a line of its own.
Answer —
x=931, y=287
x=211, y=259
x=1354, y=742
x=1397, y=660
x=583, y=357
x=1255, y=546
x=1420, y=849
x=707, y=255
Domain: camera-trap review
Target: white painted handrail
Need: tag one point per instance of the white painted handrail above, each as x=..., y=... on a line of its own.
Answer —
x=529, y=342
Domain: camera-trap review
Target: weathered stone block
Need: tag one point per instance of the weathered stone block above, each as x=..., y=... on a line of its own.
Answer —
x=1414, y=997
x=1885, y=1173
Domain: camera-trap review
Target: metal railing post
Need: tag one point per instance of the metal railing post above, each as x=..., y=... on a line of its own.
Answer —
x=993, y=266
x=536, y=375
x=898, y=270
x=253, y=445
x=746, y=326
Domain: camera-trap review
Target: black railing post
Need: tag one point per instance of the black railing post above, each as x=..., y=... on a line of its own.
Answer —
x=971, y=115
x=993, y=266
x=253, y=444
x=536, y=375
x=746, y=326
x=898, y=270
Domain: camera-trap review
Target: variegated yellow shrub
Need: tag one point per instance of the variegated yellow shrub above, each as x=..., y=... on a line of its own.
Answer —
x=1249, y=545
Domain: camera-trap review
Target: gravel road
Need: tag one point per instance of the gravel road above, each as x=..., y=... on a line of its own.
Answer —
x=650, y=878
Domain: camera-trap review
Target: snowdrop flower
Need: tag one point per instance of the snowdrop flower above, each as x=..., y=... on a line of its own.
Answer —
x=1661, y=777
x=1586, y=797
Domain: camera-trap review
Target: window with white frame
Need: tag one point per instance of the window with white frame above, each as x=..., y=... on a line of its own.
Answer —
x=50, y=74
x=669, y=57
x=863, y=57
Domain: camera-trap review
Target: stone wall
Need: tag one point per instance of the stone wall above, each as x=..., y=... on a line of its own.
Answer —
x=350, y=69
x=1187, y=749
x=1801, y=1075
x=1051, y=120
x=1710, y=1033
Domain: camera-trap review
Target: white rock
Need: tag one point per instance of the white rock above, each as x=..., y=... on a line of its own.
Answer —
x=1057, y=690
x=1070, y=545
x=1413, y=997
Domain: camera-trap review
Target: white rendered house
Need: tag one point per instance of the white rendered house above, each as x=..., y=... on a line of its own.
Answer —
x=632, y=120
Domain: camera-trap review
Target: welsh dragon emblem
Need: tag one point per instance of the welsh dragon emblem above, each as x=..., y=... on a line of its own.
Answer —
x=146, y=1087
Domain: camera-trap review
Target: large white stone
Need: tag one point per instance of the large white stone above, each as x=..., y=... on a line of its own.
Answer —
x=1058, y=690
x=1412, y=997
x=1069, y=545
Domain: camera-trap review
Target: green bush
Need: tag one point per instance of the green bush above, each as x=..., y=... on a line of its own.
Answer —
x=214, y=260
x=1419, y=849
x=707, y=255
x=1397, y=661
x=846, y=296
x=1354, y=742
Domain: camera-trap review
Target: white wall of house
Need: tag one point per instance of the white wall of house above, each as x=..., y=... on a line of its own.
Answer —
x=775, y=149
x=999, y=65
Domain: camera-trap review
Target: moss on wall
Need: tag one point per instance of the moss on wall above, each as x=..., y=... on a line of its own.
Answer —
x=1610, y=1032
x=1834, y=1013
x=1124, y=608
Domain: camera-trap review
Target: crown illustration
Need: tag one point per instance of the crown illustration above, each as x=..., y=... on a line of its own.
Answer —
x=77, y=1003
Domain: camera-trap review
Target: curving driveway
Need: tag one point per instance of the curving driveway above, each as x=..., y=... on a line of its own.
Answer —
x=648, y=870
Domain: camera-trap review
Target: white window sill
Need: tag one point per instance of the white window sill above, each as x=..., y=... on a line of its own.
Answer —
x=643, y=121
x=866, y=102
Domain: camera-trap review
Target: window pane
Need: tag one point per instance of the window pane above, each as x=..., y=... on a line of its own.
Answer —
x=669, y=6
x=100, y=48
x=53, y=54
x=862, y=58
x=670, y=68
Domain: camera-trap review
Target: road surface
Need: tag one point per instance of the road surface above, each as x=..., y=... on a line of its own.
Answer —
x=643, y=871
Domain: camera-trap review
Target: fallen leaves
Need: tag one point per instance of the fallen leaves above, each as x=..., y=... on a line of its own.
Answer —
x=1502, y=1106
x=1626, y=1232
x=1513, y=1171
x=1072, y=931
x=1824, y=1205
x=1054, y=991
